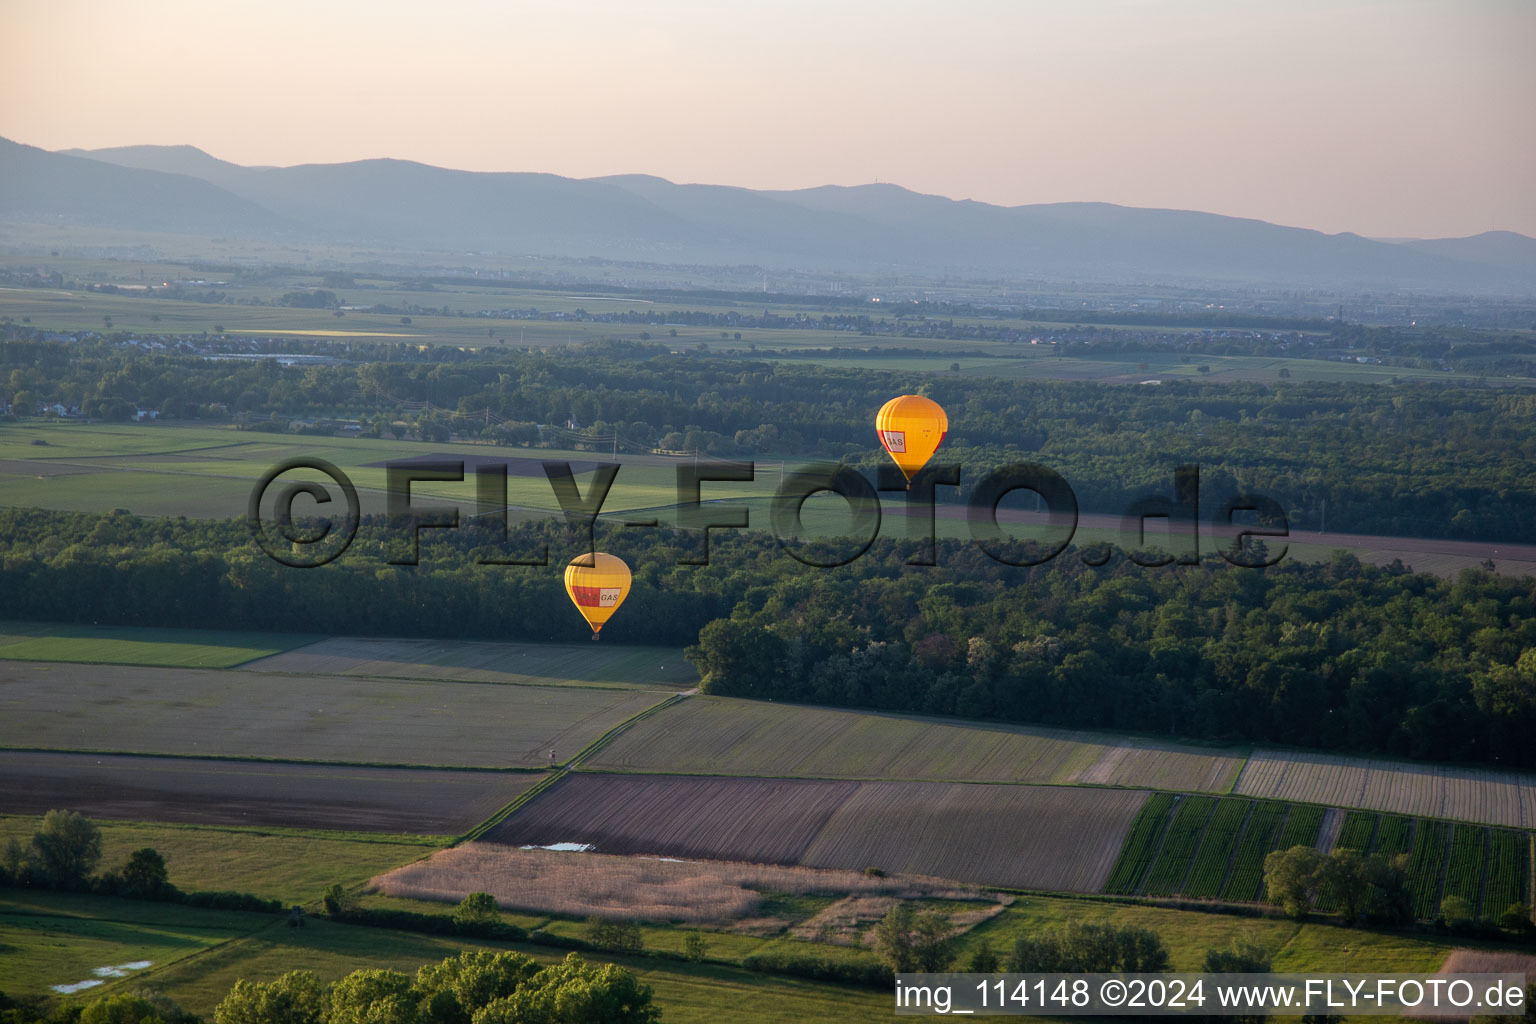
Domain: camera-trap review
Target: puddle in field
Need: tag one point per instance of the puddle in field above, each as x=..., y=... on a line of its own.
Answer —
x=76, y=987
x=102, y=973
x=563, y=847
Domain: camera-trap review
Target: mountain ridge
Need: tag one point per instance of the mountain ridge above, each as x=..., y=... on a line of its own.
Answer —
x=877, y=228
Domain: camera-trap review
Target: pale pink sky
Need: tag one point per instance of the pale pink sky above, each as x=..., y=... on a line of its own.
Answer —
x=1384, y=117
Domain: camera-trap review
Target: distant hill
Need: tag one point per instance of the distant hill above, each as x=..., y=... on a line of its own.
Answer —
x=51, y=188
x=188, y=160
x=1504, y=249
x=866, y=228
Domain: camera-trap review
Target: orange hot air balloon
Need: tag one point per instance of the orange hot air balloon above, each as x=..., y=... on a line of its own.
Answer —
x=598, y=584
x=910, y=429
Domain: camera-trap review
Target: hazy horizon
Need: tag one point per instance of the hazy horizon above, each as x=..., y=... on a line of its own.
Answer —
x=1387, y=119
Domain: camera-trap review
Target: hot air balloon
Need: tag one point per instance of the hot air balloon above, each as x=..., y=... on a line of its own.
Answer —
x=598, y=584
x=910, y=429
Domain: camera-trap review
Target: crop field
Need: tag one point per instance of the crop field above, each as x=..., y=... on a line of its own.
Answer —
x=1394, y=835
x=1358, y=831
x=215, y=792
x=1209, y=872
x=1188, y=847
x=1041, y=363
x=714, y=735
x=1260, y=835
x=1302, y=824
x=194, y=648
x=222, y=713
x=1468, y=856
x=1180, y=841
x=1141, y=845
x=1038, y=837
x=1509, y=865
x=540, y=664
x=1426, y=866
x=1204, y=847
x=1416, y=790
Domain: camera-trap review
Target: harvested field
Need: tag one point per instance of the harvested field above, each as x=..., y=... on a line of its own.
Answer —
x=318, y=718
x=718, y=735
x=649, y=888
x=1465, y=794
x=768, y=821
x=1026, y=837
x=273, y=795
x=1033, y=837
x=543, y=664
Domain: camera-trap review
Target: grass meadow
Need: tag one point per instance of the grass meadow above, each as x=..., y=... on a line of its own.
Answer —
x=291, y=865
x=176, y=648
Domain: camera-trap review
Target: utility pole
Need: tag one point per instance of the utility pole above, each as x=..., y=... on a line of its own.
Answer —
x=1324, y=527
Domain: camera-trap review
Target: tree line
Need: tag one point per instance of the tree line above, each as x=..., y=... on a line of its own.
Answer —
x=1418, y=460
x=1337, y=655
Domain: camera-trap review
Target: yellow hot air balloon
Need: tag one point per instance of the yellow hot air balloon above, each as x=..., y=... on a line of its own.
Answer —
x=910, y=429
x=598, y=584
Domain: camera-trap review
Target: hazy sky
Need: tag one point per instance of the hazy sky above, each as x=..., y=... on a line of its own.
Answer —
x=1384, y=117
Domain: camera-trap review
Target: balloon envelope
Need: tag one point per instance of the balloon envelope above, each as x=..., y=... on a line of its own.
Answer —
x=597, y=584
x=910, y=429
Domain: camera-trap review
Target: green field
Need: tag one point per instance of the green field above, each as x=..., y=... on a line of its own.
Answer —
x=1180, y=841
x=147, y=312
x=197, y=955
x=190, y=648
x=544, y=664
x=62, y=939
x=1201, y=850
x=209, y=471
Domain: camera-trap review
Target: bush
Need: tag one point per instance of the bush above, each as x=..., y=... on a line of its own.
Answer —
x=233, y=901
x=1517, y=918
x=336, y=901
x=1457, y=913
x=615, y=936
x=820, y=968
x=431, y=924
x=475, y=910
